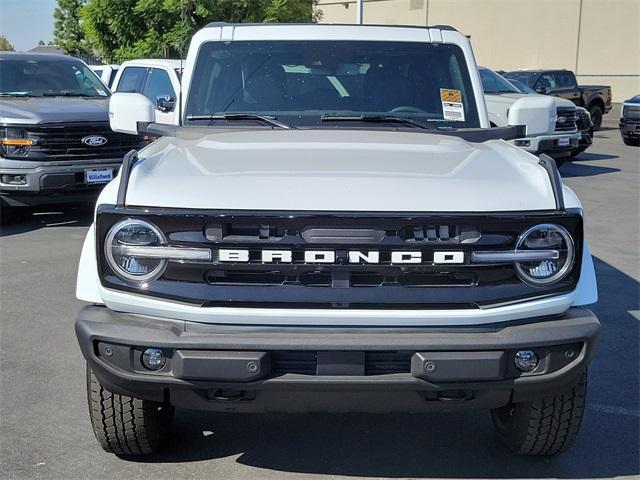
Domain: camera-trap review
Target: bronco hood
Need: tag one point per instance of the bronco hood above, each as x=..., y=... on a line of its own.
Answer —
x=34, y=110
x=337, y=170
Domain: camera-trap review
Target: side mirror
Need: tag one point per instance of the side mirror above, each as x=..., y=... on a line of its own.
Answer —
x=127, y=109
x=542, y=90
x=536, y=113
x=165, y=103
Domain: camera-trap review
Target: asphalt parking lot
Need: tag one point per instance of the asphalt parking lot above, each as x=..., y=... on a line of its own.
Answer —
x=44, y=424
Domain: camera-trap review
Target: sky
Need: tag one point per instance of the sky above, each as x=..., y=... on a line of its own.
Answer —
x=24, y=22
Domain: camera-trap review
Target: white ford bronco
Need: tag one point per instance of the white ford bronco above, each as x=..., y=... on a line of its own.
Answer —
x=332, y=225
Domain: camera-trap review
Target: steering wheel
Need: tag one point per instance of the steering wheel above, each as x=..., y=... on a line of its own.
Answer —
x=406, y=108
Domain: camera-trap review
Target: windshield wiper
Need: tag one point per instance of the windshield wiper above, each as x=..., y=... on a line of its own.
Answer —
x=66, y=94
x=374, y=118
x=241, y=116
x=16, y=94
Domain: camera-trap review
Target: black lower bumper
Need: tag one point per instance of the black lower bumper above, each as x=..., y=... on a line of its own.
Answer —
x=630, y=129
x=232, y=368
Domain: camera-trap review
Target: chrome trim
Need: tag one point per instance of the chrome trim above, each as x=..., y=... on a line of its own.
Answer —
x=514, y=256
x=172, y=254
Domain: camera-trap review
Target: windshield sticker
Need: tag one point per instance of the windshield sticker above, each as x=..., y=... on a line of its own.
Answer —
x=452, y=105
x=448, y=95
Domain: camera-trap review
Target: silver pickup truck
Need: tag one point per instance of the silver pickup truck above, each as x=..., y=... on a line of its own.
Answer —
x=55, y=141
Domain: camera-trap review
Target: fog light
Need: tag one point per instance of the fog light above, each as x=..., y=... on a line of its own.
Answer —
x=153, y=358
x=526, y=360
x=14, y=179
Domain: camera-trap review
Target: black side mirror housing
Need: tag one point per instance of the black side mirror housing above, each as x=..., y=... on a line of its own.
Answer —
x=165, y=103
x=542, y=90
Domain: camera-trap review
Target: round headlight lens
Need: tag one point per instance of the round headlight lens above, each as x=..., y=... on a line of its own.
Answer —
x=132, y=232
x=546, y=237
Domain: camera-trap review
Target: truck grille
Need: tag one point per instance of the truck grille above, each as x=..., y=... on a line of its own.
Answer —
x=64, y=142
x=631, y=112
x=339, y=284
x=583, y=121
x=566, y=119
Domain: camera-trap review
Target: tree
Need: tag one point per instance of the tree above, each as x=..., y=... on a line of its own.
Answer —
x=68, y=33
x=123, y=29
x=5, y=45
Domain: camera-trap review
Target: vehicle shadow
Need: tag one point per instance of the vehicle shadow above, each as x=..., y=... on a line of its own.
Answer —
x=588, y=156
x=456, y=445
x=29, y=220
x=571, y=169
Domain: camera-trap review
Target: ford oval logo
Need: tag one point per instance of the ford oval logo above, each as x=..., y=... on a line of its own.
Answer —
x=562, y=119
x=94, y=140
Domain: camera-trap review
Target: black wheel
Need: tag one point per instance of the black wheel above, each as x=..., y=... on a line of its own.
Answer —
x=125, y=425
x=634, y=142
x=596, y=116
x=543, y=427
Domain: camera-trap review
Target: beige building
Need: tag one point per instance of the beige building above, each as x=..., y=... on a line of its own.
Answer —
x=598, y=39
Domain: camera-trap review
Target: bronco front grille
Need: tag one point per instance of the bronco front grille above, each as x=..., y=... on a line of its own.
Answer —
x=340, y=283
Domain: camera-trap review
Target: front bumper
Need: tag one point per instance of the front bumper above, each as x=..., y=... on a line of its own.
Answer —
x=555, y=145
x=52, y=182
x=260, y=368
x=630, y=129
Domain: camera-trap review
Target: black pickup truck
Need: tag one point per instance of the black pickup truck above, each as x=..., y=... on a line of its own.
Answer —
x=562, y=83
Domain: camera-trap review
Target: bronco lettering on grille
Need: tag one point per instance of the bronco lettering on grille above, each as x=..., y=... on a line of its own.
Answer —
x=330, y=256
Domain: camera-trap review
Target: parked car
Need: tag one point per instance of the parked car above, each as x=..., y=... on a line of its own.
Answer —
x=583, y=119
x=154, y=78
x=630, y=121
x=562, y=83
x=559, y=142
x=107, y=73
x=56, y=144
x=335, y=226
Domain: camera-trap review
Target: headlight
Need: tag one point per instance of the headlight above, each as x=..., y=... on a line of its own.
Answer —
x=14, y=142
x=551, y=238
x=131, y=232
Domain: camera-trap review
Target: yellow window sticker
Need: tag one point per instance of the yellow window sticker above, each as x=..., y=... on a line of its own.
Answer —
x=448, y=95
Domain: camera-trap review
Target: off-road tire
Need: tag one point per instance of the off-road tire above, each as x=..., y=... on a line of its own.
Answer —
x=543, y=427
x=633, y=142
x=125, y=425
x=596, y=116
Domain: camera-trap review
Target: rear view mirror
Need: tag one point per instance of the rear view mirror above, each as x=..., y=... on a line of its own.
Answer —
x=536, y=113
x=127, y=109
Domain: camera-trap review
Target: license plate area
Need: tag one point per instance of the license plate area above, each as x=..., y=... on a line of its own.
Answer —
x=563, y=142
x=98, y=175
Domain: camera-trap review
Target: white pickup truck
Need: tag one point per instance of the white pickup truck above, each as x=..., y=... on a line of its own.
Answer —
x=332, y=225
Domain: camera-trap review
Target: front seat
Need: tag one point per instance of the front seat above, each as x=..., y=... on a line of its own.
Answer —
x=265, y=87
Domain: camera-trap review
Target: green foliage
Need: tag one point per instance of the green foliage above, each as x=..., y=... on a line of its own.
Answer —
x=5, y=45
x=67, y=30
x=119, y=30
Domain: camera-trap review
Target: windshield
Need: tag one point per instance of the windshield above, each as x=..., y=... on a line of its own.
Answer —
x=523, y=87
x=305, y=82
x=528, y=78
x=36, y=78
x=494, y=83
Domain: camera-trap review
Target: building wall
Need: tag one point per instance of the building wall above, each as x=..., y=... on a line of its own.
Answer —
x=598, y=39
